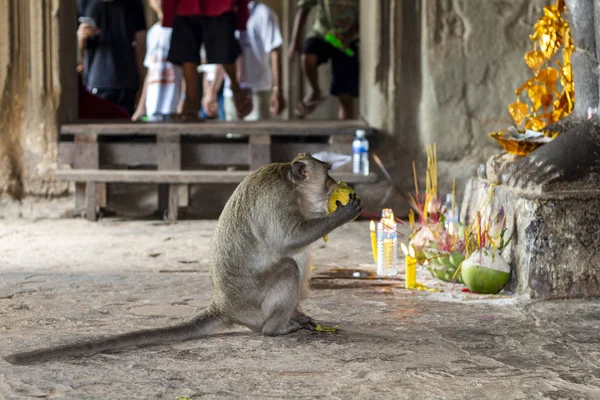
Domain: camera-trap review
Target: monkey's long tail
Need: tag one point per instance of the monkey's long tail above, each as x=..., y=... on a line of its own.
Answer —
x=207, y=322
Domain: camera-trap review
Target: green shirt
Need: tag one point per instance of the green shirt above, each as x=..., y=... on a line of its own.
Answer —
x=337, y=15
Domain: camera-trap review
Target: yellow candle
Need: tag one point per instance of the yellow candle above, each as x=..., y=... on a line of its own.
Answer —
x=410, y=278
x=373, y=240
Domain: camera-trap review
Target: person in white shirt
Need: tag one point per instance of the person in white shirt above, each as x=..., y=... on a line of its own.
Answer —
x=259, y=65
x=163, y=92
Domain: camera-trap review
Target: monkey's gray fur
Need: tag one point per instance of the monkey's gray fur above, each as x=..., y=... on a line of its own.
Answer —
x=257, y=260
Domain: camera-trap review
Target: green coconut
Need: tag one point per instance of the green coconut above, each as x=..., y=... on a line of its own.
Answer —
x=443, y=265
x=485, y=272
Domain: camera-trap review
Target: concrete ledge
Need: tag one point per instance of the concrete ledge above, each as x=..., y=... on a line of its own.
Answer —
x=556, y=245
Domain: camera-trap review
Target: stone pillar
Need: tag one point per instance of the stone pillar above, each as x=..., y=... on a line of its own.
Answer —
x=38, y=90
x=390, y=95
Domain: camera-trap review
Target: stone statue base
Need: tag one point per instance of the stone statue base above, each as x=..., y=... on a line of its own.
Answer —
x=555, y=250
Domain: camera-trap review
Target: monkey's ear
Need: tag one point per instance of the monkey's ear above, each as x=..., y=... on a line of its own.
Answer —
x=299, y=170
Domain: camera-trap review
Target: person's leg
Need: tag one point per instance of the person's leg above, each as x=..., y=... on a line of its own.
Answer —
x=230, y=111
x=127, y=100
x=310, y=65
x=346, y=109
x=191, y=104
x=261, y=104
x=223, y=48
x=345, y=81
x=184, y=50
x=221, y=105
x=316, y=52
x=242, y=98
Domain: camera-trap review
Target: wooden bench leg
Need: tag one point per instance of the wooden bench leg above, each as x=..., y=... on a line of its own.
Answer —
x=87, y=156
x=90, y=201
x=168, y=158
x=173, y=210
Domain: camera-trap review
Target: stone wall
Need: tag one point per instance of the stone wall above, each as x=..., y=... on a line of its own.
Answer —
x=444, y=72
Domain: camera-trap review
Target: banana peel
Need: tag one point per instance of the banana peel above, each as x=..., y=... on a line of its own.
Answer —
x=341, y=193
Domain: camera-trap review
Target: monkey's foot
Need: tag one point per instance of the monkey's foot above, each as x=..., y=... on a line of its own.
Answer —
x=573, y=157
x=292, y=326
x=305, y=322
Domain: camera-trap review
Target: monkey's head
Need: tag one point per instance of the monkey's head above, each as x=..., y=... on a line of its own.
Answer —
x=312, y=180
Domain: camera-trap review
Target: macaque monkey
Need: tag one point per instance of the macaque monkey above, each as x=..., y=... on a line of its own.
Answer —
x=257, y=259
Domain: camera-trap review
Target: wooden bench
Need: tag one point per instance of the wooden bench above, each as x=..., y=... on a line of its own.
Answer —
x=177, y=182
x=101, y=145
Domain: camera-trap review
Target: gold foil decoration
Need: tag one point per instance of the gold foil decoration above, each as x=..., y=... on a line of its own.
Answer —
x=547, y=100
x=535, y=124
x=549, y=77
x=551, y=37
x=518, y=112
x=534, y=60
x=535, y=93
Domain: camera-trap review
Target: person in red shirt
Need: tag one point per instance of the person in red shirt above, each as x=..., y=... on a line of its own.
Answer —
x=211, y=23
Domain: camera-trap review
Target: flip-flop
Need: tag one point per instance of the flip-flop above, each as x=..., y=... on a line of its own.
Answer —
x=304, y=108
x=187, y=117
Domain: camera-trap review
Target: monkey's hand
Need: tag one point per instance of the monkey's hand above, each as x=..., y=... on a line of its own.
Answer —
x=307, y=231
x=350, y=210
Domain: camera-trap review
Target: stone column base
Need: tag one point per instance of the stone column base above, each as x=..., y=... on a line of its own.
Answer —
x=555, y=250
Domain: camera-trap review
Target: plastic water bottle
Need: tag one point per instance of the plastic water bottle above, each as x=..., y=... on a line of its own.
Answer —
x=360, y=153
x=451, y=221
x=387, y=244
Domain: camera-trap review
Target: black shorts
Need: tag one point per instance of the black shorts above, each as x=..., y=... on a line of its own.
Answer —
x=217, y=34
x=344, y=69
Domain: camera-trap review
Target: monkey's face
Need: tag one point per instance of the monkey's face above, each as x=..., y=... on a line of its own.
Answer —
x=313, y=182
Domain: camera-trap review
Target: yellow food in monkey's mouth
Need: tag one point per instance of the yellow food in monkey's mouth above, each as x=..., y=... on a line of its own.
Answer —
x=341, y=193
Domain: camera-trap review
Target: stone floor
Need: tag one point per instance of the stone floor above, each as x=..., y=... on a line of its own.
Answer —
x=68, y=278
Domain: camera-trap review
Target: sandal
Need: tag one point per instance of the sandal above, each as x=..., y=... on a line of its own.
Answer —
x=304, y=108
x=187, y=117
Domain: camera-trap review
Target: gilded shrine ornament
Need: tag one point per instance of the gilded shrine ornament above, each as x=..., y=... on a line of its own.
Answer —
x=545, y=103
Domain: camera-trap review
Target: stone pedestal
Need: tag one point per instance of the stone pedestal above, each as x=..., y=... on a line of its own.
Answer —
x=555, y=248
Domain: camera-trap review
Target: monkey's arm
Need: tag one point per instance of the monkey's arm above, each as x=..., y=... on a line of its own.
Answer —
x=308, y=231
